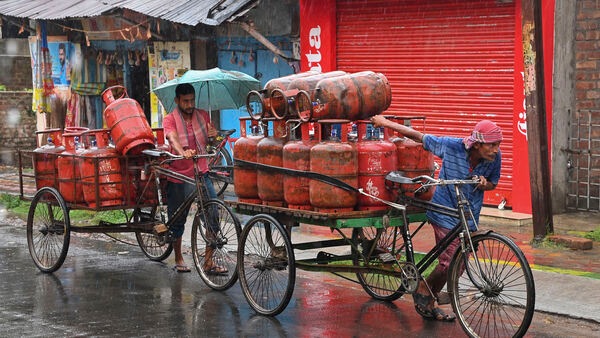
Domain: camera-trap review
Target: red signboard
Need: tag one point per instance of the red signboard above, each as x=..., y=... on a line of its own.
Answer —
x=317, y=35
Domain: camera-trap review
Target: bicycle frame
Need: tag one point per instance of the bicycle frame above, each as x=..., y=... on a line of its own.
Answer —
x=461, y=230
x=156, y=170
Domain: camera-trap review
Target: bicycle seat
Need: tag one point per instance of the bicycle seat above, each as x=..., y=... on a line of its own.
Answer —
x=397, y=177
x=226, y=133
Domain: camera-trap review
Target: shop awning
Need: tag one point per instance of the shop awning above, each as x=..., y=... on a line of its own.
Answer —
x=188, y=12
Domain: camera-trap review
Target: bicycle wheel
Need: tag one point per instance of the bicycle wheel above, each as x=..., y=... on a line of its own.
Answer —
x=153, y=246
x=48, y=229
x=215, y=234
x=266, y=265
x=498, y=299
x=221, y=171
x=385, y=254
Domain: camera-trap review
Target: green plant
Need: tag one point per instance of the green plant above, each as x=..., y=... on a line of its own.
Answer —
x=594, y=235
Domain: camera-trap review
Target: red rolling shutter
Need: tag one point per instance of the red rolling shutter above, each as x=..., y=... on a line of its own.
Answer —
x=451, y=61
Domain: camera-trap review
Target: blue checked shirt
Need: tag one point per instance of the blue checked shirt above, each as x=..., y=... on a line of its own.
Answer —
x=455, y=165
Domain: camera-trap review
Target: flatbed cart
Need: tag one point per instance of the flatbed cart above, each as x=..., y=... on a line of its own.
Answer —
x=267, y=264
x=490, y=282
x=139, y=184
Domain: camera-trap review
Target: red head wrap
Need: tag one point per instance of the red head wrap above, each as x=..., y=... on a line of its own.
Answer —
x=485, y=132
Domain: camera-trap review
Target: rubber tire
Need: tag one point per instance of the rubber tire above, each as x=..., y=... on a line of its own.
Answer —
x=225, y=251
x=508, y=266
x=214, y=173
x=48, y=229
x=148, y=242
x=267, y=281
x=378, y=286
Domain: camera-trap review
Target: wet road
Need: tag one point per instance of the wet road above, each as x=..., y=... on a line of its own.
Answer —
x=106, y=288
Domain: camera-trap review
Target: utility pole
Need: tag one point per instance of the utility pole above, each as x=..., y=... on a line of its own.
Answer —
x=537, y=130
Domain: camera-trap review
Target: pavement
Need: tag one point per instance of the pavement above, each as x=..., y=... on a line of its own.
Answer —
x=567, y=280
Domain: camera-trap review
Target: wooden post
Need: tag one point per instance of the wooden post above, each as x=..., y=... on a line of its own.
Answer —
x=537, y=130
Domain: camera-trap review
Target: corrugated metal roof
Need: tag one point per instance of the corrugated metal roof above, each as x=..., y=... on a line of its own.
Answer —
x=189, y=12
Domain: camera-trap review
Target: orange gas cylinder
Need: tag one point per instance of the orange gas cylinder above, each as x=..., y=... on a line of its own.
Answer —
x=262, y=99
x=68, y=163
x=356, y=96
x=337, y=158
x=296, y=155
x=244, y=179
x=100, y=171
x=44, y=157
x=303, y=88
x=128, y=126
x=413, y=161
x=269, y=151
x=376, y=158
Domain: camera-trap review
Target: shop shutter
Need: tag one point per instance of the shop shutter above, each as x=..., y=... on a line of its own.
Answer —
x=450, y=61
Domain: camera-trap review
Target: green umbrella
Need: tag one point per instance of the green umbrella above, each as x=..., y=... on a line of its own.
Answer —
x=215, y=89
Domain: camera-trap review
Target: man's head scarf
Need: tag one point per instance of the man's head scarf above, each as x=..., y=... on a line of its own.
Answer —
x=485, y=132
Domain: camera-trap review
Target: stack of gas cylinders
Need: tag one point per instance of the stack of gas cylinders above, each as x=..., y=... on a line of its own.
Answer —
x=318, y=123
x=99, y=167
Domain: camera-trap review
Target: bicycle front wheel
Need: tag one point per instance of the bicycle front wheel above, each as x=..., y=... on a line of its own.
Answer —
x=493, y=296
x=215, y=234
x=221, y=171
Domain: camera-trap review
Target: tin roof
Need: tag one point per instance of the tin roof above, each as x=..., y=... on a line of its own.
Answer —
x=189, y=12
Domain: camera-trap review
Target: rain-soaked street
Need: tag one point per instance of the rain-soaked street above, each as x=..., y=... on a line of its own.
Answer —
x=106, y=288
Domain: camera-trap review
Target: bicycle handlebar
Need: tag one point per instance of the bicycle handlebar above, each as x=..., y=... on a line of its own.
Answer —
x=163, y=153
x=430, y=181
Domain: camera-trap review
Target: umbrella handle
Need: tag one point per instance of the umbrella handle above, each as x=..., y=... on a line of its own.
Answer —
x=107, y=94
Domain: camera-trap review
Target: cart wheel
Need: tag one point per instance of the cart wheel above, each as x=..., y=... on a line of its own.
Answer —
x=379, y=248
x=48, y=229
x=153, y=246
x=215, y=235
x=266, y=265
x=221, y=172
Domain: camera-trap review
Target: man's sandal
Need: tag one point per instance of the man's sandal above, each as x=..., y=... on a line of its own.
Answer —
x=421, y=304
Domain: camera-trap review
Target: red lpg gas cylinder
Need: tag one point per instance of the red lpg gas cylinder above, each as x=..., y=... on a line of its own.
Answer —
x=356, y=96
x=263, y=97
x=413, y=161
x=296, y=155
x=128, y=126
x=100, y=171
x=303, y=91
x=244, y=179
x=270, y=152
x=68, y=163
x=376, y=158
x=44, y=157
x=337, y=158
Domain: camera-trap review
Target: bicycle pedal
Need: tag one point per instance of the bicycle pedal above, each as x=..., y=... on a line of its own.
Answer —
x=324, y=257
x=160, y=229
x=387, y=257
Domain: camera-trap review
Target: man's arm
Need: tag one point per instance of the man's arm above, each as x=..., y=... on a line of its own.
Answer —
x=380, y=121
x=174, y=143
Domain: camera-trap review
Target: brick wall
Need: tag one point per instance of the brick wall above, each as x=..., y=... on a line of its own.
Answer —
x=587, y=55
x=17, y=121
x=18, y=125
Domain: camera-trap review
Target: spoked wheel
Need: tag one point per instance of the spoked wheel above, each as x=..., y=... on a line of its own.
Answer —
x=153, y=246
x=221, y=171
x=495, y=296
x=215, y=234
x=48, y=229
x=267, y=266
x=380, y=248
